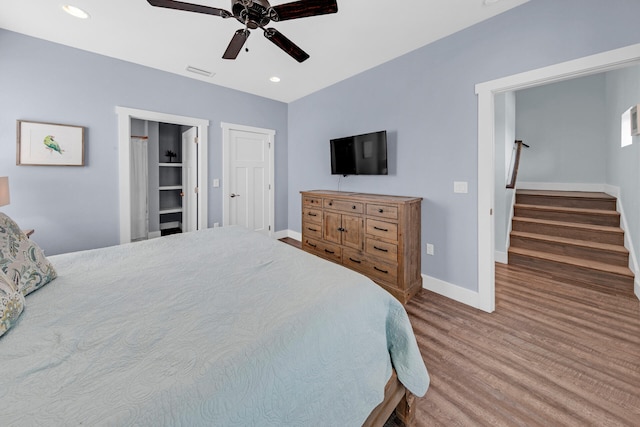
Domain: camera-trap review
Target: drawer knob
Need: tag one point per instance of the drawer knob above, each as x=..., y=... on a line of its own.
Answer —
x=330, y=203
x=353, y=207
x=329, y=252
x=380, y=249
x=355, y=260
x=381, y=229
x=380, y=210
x=311, y=244
x=312, y=214
x=311, y=229
x=380, y=270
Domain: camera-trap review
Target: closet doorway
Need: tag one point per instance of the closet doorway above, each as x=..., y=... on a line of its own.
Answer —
x=163, y=174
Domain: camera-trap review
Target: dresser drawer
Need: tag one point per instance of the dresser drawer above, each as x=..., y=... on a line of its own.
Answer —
x=344, y=206
x=374, y=268
x=312, y=229
x=382, y=211
x=323, y=249
x=385, y=250
x=308, y=201
x=312, y=215
x=386, y=230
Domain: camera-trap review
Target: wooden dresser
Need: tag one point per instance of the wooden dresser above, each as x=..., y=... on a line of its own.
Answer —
x=376, y=235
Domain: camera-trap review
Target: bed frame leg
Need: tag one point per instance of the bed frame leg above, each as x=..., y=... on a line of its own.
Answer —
x=405, y=411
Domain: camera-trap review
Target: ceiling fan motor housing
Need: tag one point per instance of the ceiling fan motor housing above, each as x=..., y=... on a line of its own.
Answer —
x=252, y=13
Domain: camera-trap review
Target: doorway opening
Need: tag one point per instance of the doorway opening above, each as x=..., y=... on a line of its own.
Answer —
x=486, y=92
x=182, y=183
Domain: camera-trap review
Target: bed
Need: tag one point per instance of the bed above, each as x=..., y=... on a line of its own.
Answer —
x=221, y=327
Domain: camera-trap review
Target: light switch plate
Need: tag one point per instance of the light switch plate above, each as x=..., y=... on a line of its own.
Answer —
x=216, y=182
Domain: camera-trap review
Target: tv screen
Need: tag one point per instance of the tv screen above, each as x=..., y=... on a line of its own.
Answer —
x=360, y=154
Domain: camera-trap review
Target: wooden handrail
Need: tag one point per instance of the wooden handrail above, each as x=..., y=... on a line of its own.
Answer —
x=515, y=163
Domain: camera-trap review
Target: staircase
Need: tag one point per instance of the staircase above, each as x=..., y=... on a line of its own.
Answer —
x=573, y=235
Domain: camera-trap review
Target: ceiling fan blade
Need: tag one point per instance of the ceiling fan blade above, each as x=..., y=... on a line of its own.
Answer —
x=178, y=5
x=285, y=44
x=303, y=9
x=235, y=46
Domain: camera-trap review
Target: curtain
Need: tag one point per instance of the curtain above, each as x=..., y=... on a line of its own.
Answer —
x=139, y=189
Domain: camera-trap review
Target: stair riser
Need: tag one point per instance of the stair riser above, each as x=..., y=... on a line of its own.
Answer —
x=574, y=272
x=592, y=254
x=568, y=202
x=569, y=232
x=582, y=218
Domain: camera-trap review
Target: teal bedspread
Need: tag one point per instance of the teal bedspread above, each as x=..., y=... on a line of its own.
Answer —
x=220, y=327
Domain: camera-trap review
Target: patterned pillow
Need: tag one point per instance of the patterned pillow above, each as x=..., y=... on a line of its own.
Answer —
x=11, y=304
x=21, y=259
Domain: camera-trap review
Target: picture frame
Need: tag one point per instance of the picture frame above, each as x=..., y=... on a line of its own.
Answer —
x=49, y=144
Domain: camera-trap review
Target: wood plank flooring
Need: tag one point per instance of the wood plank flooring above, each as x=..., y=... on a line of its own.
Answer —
x=552, y=354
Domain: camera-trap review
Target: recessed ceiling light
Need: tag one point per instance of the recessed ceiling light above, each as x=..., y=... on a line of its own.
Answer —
x=274, y=79
x=75, y=11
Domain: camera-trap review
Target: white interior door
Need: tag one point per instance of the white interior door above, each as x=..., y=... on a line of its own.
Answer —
x=248, y=184
x=190, y=179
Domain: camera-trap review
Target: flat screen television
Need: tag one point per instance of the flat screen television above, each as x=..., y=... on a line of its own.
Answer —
x=360, y=154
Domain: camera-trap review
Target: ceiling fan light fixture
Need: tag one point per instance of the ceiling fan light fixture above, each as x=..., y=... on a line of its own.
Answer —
x=274, y=79
x=199, y=71
x=75, y=11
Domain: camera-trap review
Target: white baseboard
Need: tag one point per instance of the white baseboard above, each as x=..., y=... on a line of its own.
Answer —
x=502, y=257
x=288, y=233
x=155, y=234
x=449, y=290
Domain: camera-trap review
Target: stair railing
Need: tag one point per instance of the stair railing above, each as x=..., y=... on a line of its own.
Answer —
x=515, y=163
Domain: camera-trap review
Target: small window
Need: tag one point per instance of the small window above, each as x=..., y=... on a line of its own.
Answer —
x=625, y=128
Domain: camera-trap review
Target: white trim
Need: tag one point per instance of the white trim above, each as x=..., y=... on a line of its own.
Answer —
x=449, y=290
x=633, y=261
x=288, y=233
x=486, y=91
x=155, y=234
x=502, y=257
x=226, y=140
x=559, y=186
x=124, y=131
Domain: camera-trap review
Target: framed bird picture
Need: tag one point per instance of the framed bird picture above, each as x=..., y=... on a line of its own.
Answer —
x=49, y=144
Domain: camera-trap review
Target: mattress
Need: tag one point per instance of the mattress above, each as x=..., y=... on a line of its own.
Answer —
x=220, y=327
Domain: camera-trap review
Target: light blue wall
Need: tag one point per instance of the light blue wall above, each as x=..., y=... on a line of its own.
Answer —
x=74, y=208
x=426, y=101
x=565, y=125
x=505, y=135
x=622, y=92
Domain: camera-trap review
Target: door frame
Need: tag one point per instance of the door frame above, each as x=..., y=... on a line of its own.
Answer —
x=598, y=63
x=124, y=133
x=226, y=142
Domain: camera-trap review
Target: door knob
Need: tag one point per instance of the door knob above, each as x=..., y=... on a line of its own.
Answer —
x=234, y=195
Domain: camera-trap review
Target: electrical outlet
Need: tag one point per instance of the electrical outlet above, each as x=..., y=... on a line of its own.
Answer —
x=216, y=182
x=430, y=249
x=460, y=187
x=216, y=224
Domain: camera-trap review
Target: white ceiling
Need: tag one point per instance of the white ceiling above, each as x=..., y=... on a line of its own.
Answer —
x=363, y=34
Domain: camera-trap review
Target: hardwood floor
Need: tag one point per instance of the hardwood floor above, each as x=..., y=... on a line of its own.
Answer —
x=552, y=354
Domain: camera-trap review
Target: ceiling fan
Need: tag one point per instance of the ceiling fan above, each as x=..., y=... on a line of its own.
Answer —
x=258, y=14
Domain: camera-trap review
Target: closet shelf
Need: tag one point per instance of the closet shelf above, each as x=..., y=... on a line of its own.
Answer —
x=172, y=165
x=170, y=187
x=170, y=210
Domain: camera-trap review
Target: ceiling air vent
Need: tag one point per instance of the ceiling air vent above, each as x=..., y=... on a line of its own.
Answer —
x=199, y=71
